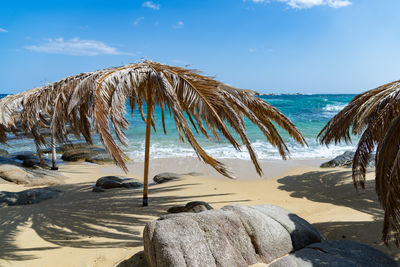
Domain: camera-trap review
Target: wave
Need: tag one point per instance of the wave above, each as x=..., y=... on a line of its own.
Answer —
x=264, y=151
x=334, y=107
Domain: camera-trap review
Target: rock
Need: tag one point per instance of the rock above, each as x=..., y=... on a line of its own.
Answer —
x=81, y=154
x=3, y=152
x=233, y=236
x=29, y=163
x=166, y=177
x=255, y=235
x=107, y=182
x=336, y=253
x=302, y=233
x=99, y=158
x=346, y=160
x=74, y=146
x=12, y=172
x=23, y=155
x=30, y=159
x=137, y=260
x=15, y=174
x=194, y=206
x=29, y=196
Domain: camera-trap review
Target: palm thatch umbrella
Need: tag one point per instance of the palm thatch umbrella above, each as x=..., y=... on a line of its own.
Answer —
x=375, y=115
x=99, y=99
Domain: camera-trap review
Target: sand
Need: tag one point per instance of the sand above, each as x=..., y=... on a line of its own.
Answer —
x=82, y=228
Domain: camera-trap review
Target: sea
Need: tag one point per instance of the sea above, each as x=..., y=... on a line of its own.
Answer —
x=308, y=112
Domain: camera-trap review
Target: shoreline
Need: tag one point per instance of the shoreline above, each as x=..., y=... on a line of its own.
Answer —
x=83, y=228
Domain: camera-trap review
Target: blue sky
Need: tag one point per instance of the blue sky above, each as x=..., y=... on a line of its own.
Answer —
x=276, y=46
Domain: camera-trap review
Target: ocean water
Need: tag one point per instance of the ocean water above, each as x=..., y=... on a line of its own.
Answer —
x=308, y=112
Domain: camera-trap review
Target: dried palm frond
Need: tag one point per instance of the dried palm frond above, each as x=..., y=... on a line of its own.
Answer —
x=373, y=115
x=99, y=98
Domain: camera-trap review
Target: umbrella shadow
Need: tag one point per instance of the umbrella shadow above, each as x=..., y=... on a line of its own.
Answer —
x=83, y=219
x=333, y=187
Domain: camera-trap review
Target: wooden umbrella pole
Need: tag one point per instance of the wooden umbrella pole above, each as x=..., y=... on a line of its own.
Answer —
x=147, y=148
x=53, y=152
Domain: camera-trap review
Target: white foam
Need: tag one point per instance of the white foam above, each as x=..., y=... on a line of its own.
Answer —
x=334, y=108
x=264, y=151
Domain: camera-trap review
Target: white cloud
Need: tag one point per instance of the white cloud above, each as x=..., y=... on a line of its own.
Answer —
x=137, y=21
x=75, y=47
x=179, y=25
x=152, y=5
x=301, y=4
x=3, y=30
x=252, y=50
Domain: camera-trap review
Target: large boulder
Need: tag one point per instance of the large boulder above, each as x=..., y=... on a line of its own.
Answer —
x=245, y=235
x=233, y=236
x=336, y=253
x=81, y=154
x=15, y=173
x=29, y=196
x=101, y=158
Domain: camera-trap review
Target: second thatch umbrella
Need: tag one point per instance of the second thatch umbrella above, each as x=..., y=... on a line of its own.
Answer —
x=375, y=115
x=99, y=99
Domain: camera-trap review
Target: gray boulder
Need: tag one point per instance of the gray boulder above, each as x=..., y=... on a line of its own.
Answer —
x=108, y=182
x=99, y=158
x=81, y=154
x=194, y=206
x=233, y=236
x=346, y=160
x=241, y=236
x=166, y=177
x=14, y=173
x=29, y=196
x=336, y=253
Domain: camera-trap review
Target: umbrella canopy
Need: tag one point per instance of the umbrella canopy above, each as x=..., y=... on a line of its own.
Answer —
x=99, y=98
x=375, y=115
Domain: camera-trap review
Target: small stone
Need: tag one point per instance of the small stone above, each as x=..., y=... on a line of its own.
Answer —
x=99, y=158
x=107, y=182
x=166, y=177
x=194, y=207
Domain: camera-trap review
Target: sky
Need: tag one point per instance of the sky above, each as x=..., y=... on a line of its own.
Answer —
x=272, y=46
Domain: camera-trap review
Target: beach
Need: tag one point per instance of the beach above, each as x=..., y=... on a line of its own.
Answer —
x=83, y=228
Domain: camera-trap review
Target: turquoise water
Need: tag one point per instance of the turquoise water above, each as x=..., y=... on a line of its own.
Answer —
x=308, y=112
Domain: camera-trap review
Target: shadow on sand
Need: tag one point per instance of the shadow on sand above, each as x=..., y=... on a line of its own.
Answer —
x=83, y=219
x=334, y=187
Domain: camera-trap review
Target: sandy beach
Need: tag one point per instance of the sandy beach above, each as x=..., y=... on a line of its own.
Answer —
x=82, y=228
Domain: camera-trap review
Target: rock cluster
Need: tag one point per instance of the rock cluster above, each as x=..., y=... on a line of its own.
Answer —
x=241, y=236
